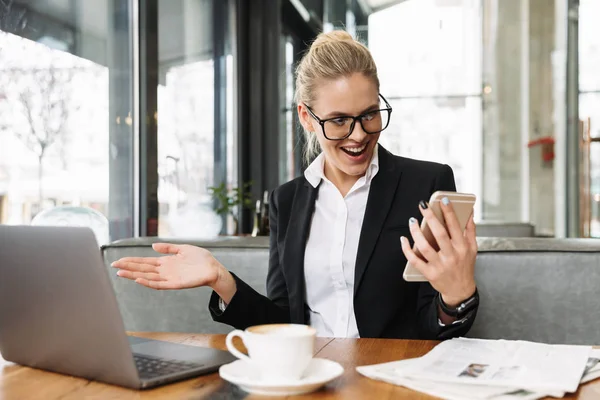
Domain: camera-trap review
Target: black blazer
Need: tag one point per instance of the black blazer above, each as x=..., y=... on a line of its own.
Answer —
x=385, y=305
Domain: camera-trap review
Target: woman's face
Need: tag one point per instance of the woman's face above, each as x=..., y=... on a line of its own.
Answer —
x=348, y=96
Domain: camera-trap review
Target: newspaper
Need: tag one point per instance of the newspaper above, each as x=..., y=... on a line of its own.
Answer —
x=451, y=391
x=516, y=364
x=592, y=368
x=492, y=369
x=389, y=372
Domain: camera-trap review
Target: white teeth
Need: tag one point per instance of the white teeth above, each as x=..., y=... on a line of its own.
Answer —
x=355, y=149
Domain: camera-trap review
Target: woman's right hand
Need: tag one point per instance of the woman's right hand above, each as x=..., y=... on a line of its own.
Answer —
x=184, y=267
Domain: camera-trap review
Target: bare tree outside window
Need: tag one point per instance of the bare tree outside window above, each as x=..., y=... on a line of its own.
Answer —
x=37, y=99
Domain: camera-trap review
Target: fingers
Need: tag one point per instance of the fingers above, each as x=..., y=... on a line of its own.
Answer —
x=150, y=280
x=131, y=261
x=134, y=267
x=132, y=275
x=471, y=234
x=158, y=285
x=428, y=252
x=413, y=258
x=451, y=220
x=167, y=248
x=436, y=227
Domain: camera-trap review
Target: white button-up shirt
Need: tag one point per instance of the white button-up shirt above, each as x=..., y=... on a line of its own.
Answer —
x=331, y=249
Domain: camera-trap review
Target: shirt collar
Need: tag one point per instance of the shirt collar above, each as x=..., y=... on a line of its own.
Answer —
x=315, y=172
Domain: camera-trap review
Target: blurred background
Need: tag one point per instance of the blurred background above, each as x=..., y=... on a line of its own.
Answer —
x=150, y=111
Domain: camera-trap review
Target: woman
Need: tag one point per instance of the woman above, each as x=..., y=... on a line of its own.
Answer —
x=338, y=241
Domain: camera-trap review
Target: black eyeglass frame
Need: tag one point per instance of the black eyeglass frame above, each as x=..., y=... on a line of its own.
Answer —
x=358, y=118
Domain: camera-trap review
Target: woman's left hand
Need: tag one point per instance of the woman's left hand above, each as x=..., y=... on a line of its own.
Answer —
x=451, y=270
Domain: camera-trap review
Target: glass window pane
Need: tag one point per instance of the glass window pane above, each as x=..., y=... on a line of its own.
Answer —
x=589, y=107
x=589, y=45
x=232, y=172
x=595, y=189
x=65, y=111
x=452, y=137
x=434, y=83
x=286, y=139
x=428, y=47
x=190, y=161
x=185, y=132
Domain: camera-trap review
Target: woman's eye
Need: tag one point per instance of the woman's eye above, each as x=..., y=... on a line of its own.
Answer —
x=339, y=121
x=369, y=116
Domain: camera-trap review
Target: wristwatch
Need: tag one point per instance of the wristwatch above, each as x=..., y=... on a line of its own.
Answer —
x=464, y=308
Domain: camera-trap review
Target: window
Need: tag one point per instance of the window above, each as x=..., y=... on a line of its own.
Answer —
x=65, y=110
x=196, y=148
x=589, y=99
x=289, y=130
x=433, y=84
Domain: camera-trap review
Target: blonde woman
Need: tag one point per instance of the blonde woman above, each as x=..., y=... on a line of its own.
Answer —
x=339, y=234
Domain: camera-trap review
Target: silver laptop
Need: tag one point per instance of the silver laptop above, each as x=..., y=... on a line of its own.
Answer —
x=58, y=312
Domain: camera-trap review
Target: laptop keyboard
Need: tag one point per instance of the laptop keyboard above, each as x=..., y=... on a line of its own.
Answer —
x=149, y=367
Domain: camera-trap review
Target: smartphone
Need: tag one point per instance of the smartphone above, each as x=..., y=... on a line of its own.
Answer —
x=463, y=208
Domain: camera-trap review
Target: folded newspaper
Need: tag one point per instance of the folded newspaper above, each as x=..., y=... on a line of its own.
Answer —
x=492, y=370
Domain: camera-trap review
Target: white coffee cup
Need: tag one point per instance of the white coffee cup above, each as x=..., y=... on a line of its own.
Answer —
x=281, y=352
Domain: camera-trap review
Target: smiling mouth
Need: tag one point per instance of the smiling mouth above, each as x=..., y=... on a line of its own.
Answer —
x=355, y=151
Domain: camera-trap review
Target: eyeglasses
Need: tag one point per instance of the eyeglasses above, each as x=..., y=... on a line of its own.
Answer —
x=340, y=128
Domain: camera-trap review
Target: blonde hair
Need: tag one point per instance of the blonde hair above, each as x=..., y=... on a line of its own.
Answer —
x=331, y=56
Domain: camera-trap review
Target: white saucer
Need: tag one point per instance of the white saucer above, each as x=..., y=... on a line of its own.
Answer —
x=319, y=373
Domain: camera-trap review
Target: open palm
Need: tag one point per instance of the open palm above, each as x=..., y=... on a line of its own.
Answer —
x=184, y=267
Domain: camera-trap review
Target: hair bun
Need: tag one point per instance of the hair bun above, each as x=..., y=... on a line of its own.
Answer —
x=332, y=37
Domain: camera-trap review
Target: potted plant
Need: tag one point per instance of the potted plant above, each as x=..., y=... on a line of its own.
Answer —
x=231, y=201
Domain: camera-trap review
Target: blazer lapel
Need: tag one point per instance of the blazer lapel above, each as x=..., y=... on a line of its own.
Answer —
x=296, y=236
x=381, y=196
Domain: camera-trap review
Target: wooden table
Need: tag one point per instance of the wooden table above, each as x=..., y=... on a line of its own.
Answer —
x=21, y=383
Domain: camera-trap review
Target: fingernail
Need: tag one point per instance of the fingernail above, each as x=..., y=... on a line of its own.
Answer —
x=412, y=220
x=445, y=201
x=402, y=239
x=423, y=204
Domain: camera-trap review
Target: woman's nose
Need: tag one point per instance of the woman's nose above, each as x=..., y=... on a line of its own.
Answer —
x=358, y=133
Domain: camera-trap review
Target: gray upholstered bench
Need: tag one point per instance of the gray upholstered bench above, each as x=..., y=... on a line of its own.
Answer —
x=504, y=229
x=536, y=289
x=145, y=309
x=532, y=289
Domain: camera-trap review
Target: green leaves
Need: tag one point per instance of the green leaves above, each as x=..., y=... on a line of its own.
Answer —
x=228, y=200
